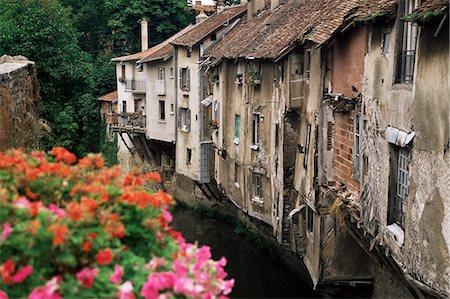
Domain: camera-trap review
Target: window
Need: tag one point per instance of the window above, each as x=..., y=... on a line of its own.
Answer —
x=123, y=72
x=136, y=105
x=161, y=73
x=162, y=110
x=257, y=186
x=237, y=174
x=308, y=137
x=213, y=37
x=188, y=156
x=237, y=129
x=330, y=131
x=140, y=68
x=386, y=42
x=256, y=124
x=188, y=52
x=185, y=79
x=307, y=64
x=357, y=147
x=309, y=220
x=184, y=119
x=171, y=72
x=172, y=109
x=407, y=45
x=398, y=189
x=124, y=106
x=277, y=135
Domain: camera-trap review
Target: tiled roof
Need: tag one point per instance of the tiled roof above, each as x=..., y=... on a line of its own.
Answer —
x=202, y=30
x=109, y=97
x=159, y=51
x=270, y=34
x=429, y=9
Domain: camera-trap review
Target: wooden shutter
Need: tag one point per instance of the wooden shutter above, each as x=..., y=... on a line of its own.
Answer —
x=179, y=118
x=188, y=79
x=188, y=120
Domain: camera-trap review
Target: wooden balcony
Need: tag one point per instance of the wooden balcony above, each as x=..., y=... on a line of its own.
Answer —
x=130, y=123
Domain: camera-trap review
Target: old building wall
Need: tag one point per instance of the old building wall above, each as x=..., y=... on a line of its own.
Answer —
x=188, y=99
x=343, y=165
x=422, y=247
x=348, y=62
x=19, y=93
x=157, y=128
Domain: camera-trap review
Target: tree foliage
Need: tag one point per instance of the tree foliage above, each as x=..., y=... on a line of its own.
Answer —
x=72, y=42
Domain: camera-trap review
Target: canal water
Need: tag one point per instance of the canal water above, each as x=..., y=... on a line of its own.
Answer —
x=257, y=274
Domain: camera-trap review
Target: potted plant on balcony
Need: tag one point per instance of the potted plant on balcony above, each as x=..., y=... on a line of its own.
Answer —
x=214, y=78
x=239, y=78
x=213, y=124
x=254, y=77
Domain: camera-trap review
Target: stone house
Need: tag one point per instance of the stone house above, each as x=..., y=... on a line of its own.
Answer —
x=109, y=107
x=309, y=117
x=193, y=147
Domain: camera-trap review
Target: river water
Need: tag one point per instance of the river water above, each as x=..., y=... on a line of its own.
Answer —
x=256, y=273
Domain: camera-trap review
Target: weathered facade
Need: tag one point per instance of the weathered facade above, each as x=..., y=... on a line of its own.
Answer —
x=327, y=124
x=19, y=93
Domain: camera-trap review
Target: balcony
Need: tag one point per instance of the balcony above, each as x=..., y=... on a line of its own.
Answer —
x=136, y=86
x=129, y=122
x=160, y=87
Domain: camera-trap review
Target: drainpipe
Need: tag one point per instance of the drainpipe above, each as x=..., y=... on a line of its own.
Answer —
x=175, y=74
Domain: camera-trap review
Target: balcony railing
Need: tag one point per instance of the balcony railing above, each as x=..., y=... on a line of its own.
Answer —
x=405, y=66
x=137, y=86
x=131, y=122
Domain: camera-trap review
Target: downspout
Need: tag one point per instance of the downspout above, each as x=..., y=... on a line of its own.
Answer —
x=175, y=74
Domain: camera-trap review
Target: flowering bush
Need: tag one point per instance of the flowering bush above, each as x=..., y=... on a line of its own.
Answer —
x=76, y=229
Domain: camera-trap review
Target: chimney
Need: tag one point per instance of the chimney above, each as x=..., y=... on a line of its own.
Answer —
x=201, y=17
x=259, y=5
x=144, y=35
x=274, y=4
x=250, y=9
x=220, y=6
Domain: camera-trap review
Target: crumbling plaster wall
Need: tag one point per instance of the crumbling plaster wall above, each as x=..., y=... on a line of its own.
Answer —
x=419, y=107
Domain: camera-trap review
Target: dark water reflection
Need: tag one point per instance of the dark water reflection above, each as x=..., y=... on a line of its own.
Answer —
x=257, y=274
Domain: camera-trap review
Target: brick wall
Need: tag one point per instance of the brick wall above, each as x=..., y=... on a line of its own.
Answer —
x=348, y=62
x=343, y=150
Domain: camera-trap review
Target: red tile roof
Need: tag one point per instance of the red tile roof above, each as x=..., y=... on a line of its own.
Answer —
x=202, y=30
x=270, y=34
x=109, y=97
x=429, y=9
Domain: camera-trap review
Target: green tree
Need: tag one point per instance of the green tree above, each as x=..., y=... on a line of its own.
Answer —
x=42, y=31
x=165, y=18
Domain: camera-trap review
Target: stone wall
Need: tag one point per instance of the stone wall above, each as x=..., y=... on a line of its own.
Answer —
x=18, y=95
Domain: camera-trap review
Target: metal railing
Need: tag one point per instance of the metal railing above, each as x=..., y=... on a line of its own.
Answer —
x=405, y=66
x=135, y=85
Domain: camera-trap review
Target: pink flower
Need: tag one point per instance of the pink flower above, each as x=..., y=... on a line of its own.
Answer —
x=60, y=213
x=87, y=276
x=157, y=282
x=116, y=277
x=47, y=292
x=3, y=295
x=22, y=274
x=155, y=264
x=22, y=202
x=126, y=291
x=180, y=268
x=166, y=215
x=6, y=231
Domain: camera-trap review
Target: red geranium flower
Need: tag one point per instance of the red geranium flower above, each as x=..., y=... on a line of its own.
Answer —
x=6, y=270
x=104, y=256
